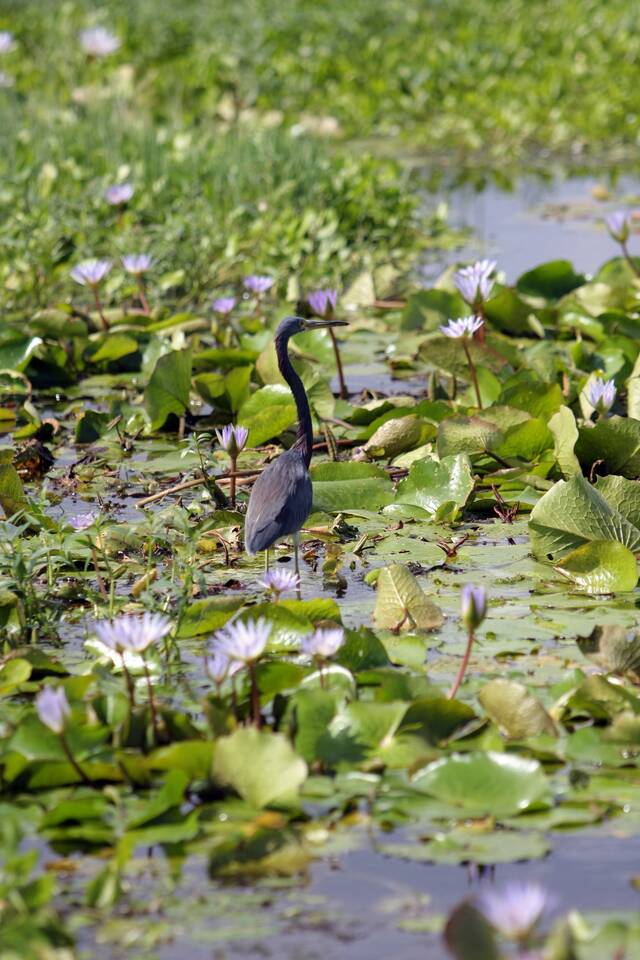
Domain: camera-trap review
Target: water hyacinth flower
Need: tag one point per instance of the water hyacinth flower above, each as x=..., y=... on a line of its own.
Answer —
x=324, y=643
x=473, y=606
x=137, y=263
x=119, y=194
x=601, y=394
x=618, y=225
x=53, y=708
x=98, y=42
x=224, y=305
x=474, y=283
x=323, y=302
x=464, y=327
x=7, y=41
x=91, y=273
x=232, y=438
x=280, y=581
x=516, y=910
x=258, y=284
x=244, y=642
x=132, y=634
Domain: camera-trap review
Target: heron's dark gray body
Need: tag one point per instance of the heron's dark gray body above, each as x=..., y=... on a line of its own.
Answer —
x=280, y=501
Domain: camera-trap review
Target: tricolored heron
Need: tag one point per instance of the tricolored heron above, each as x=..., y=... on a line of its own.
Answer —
x=281, y=498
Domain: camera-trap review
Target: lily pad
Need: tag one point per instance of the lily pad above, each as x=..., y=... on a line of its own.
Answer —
x=262, y=767
x=514, y=709
x=602, y=566
x=432, y=483
x=401, y=603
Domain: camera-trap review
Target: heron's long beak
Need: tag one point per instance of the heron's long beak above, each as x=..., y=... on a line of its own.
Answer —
x=312, y=324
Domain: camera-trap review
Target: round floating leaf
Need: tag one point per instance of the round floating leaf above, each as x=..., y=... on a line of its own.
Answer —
x=350, y=486
x=565, y=435
x=431, y=483
x=484, y=784
x=262, y=767
x=550, y=280
x=394, y=437
x=401, y=602
x=468, y=936
x=514, y=710
x=467, y=435
x=267, y=413
x=601, y=566
x=573, y=513
x=616, y=441
x=612, y=648
x=168, y=389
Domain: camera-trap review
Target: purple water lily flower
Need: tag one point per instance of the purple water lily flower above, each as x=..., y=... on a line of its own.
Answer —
x=601, y=394
x=324, y=643
x=137, y=263
x=323, y=302
x=7, y=41
x=473, y=605
x=258, y=284
x=465, y=327
x=244, y=642
x=232, y=438
x=53, y=708
x=119, y=194
x=91, y=273
x=516, y=910
x=224, y=305
x=99, y=42
x=132, y=634
x=280, y=581
x=219, y=667
x=474, y=283
x=618, y=225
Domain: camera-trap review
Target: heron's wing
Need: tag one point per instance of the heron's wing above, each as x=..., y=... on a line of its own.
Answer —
x=280, y=502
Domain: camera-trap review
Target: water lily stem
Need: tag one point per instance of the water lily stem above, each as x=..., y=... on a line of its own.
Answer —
x=131, y=690
x=103, y=319
x=463, y=667
x=152, y=704
x=142, y=296
x=629, y=258
x=344, y=393
x=472, y=373
x=232, y=478
x=74, y=763
x=255, y=696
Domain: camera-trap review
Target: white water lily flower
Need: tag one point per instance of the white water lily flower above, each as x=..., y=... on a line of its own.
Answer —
x=82, y=521
x=474, y=283
x=119, y=194
x=53, y=708
x=137, y=263
x=601, y=394
x=90, y=273
x=465, y=327
x=618, y=225
x=232, y=438
x=219, y=666
x=7, y=41
x=516, y=909
x=99, y=42
x=244, y=642
x=324, y=643
x=132, y=634
x=280, y=581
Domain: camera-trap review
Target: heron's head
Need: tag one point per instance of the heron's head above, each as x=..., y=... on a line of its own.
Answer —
x=292, y=325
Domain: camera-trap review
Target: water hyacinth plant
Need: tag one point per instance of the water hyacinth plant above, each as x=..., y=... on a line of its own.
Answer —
x=232, y=439
x=324, y=303
x=137, y=265
x=98, y=42
x=473, y=610
x=91, y=273
x=463, y=330
x=244, y=643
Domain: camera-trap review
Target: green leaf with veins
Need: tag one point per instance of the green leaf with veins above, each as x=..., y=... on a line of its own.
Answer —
x=401, y=603
x=601, y=566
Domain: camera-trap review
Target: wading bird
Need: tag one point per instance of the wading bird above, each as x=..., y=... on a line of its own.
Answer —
x=281, y=498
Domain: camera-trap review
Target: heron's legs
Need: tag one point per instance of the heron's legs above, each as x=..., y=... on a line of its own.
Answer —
x=266, y=560
x=296, y=549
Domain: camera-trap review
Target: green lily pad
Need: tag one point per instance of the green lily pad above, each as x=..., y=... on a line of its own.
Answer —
x=432, y=483
x=602, y=566
x=612, y=648
x=262, y=767
x=514, y=709
x=401, y=603
x=168, y=389
x=484, y=784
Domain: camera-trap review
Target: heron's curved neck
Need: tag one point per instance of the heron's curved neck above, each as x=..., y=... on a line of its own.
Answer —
x=304, y=438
